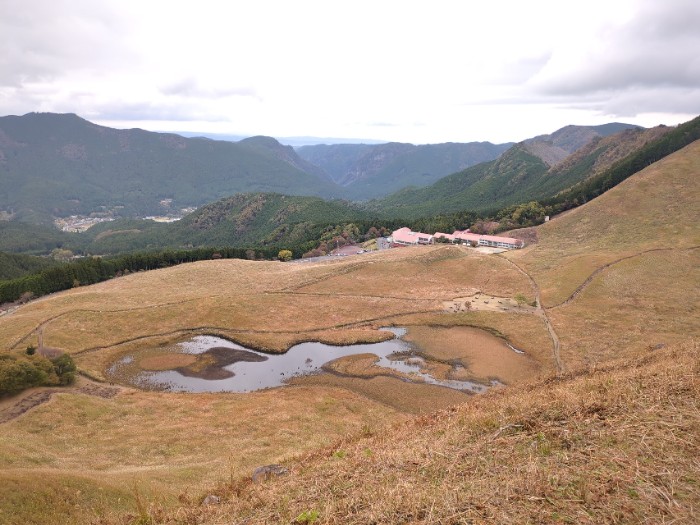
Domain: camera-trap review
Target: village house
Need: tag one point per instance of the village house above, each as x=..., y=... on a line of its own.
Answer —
x=406, y=237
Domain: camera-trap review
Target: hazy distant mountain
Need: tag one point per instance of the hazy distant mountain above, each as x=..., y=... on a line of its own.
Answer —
x=369, y=171
x=295, y=142
x=284, y=153
x=58, y=165
x=557, y=146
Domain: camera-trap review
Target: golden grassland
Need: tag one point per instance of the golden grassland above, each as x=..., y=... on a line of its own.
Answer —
x=162, y=443
x=617, y=444
x=483, y=355
x=614, y=439
x=642, y=302
x=524, y=332
x=260, y=301
x=657, y=208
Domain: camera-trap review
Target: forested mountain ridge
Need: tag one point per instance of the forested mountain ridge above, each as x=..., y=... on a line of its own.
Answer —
x=55, y=165
x=242, y=220
x=14, y=265
x=371, y=171
x=530, y=170
x=555, y=147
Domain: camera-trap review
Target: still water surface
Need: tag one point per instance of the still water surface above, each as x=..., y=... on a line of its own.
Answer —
x=275, y=369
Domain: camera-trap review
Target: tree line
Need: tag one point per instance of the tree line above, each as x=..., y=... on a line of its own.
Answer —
x=91, y=270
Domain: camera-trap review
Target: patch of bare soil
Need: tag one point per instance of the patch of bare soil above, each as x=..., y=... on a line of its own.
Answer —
x=210, y=364
x=94, y=389
x=488, y=303
x=26, y=401
x=529, y=235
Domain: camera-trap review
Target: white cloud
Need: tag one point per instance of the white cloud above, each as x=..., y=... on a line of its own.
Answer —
x=427, y=72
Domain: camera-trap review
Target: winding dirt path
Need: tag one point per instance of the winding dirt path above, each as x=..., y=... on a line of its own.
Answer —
x=542, y=312
x=23, y=402
x=597, y=271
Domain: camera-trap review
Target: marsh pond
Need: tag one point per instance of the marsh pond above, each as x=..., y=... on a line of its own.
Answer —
x=213, y=364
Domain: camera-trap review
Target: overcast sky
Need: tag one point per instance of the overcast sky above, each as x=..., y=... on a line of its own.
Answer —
x=421, y=72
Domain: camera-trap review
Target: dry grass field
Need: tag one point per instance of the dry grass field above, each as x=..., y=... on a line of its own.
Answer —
x=657, y=208
x=164, y=445
x=614, y=438
x=615, y=445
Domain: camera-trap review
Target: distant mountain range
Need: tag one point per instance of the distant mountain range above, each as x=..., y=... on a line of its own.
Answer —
x=534, y=169
x=370, y=171
x=57, y=165
x=275, y=220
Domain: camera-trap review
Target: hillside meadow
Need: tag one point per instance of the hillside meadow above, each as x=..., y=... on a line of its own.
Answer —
x=597, y=423
x=656, y=209
x=98, y=448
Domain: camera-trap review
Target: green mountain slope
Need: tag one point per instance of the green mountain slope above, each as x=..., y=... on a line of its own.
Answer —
x=260, y=219
x=58, y=165
x=34, y=239
x=481, y=187
x=521, y=174
x=370, y=171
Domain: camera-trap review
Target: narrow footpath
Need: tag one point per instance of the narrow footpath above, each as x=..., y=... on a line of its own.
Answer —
x=542, y=312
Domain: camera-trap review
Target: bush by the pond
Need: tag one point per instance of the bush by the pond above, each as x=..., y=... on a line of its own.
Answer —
x=19, y=372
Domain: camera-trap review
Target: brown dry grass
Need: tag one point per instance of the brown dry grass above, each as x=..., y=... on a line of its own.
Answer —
x=615, y=445
x=484, y=356
x=391, y=391
x=525, y=332
x=656, y=208
x=262, y=300
x=166, y=361
x=163, y=444
x=639, y=303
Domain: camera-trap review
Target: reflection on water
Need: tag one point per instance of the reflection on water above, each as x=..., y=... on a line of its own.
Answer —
x=275, y=369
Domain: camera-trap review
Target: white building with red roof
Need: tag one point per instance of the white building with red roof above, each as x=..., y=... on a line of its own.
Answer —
x=406, y=237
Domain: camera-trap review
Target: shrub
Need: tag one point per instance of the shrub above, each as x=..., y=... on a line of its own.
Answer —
x=65, y=369
x=18, y=373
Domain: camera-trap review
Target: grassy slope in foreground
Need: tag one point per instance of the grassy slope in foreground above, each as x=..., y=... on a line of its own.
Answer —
x=618, y=445
x=82, y=443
